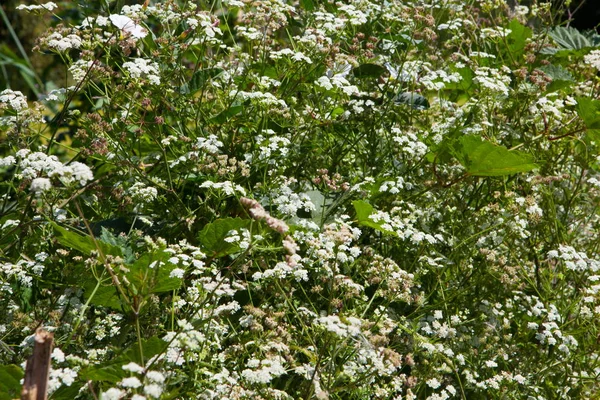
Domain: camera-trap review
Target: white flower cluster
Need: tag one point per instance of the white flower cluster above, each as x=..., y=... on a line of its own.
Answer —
x=574, y=260
x=227, y=187
x=61, y=43
x=493, y=80
x=288, y=202
x=142, y=193
x=593, y=59
x=409, y=143
x=264, y=99
x=14, y=100
x=211, y=144
x=141, y=68
x=350, y=327
x=79, y=69
x=39, y=167
x=294, y=55
x=150, y=383
x=263, y=371
x=50, y=6
x=336, y=78
x=22, y=270
x=271, y=147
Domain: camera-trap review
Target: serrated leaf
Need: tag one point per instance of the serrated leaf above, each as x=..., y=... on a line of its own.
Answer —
x=212, y=237
x=483, y=158
x=84, y=244
x=569, y=38
x=10, y=381
x=412, y=99
x=364, y=211
x=557, y=73
x=369, y=70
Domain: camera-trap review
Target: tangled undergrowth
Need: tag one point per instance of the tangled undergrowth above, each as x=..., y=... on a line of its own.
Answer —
x=290, y=200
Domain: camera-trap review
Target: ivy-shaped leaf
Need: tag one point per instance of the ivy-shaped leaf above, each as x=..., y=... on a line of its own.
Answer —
x=84, y=244
x=517, y=38
x=483, y=158
x=363, y=213
x=212, y=237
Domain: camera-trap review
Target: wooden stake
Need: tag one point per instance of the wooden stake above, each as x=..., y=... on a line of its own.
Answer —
x=37, y=370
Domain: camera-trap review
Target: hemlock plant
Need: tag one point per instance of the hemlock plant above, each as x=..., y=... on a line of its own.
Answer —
x=294, y=200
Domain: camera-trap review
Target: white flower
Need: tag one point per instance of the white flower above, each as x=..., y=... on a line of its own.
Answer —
x=126, y=24
x=593, y=59
x=153, y=390
x=177, y=273
x=131, y=382
x=34, y=7
x=112, y=394
x=433, y=383
x=14, y=99
x=133, y=367
x=141, y=68
x=155, y=376
x=39, y=185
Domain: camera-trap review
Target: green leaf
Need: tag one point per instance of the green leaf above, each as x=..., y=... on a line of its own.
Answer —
x=156, y=279
x=569, y=38
x=363, y=212
x=202, y=76
x=369, y=70
x=226, y=115
x=517, y=38
x=412, y=99
x=84, y=244
x=483, y=158
x=308, y=5
x=589, y=111
x=10, y=381
x=561, y=77
x=112, y=371
x=105, y=296
x=212, y=237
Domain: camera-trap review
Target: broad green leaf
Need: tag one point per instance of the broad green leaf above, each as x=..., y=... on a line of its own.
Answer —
x=557, y=73
x=569, y=38
x=561, y=77
x=372, y=70
x=84, y=244
x=155, y=279
x=10, y=381
x=308, y=5
x=589, y=111
x=483, y=158
x=517, y=38
x=212, y=237
x=225, y=115
x=412, y=99
x=112, y=371
x=105, y=296
x=363, y=212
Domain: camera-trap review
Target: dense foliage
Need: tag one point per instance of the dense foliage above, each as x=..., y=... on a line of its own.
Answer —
x=284, y=200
